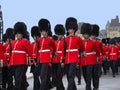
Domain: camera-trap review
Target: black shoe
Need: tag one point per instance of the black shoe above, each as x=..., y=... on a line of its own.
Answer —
x=51, y=86
x=95, y=89
x=4, y=89
x=117, y=73
x=113, y=75
x=105, y=73
x=26, y=84
x=79, y=83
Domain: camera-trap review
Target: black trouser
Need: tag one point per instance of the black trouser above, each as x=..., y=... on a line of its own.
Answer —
x=116, y=66
x=54, y=76
x=78, y=74
x=100, y=69
x=10, y=78
x=71, y=72
x=57, y=76
x=118, y=62
x=0, y=77
x=96, y=75
x=36, y=76
x=44, y=75
x=18, y=72
x=113, y=66
x=4, y=77
x=108, y=64
x=104, y=65
x=87, y=74
x=25, y=84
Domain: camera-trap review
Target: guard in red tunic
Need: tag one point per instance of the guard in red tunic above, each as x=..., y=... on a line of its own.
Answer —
x=73, y=45
x=92, y=52
x=113, y=55
x=118, y=46
x=58, y=59
x=1, y=56
x=119, y=51
x=105, y=56
x=1, y=61
x=97, y=66
x=35, y=68
x=7, y=78
x=20, y=47
x=26, y=36
x=46, y=46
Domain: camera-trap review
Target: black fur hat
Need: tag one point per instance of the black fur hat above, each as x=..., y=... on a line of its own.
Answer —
x=55, y=37
x=95, y=30
x=104, y=41
x=59, y=29
x=44, y=24
x=116, y=39
x=112, y=41
x=4, y=38
x=86, y=28
x=108, y=40
x=20, y=27
x=35, y=31
x=71, y=23
x=50, y=34
x=26, y=35
x=10, y=33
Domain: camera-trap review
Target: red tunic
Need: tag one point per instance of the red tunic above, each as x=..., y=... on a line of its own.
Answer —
x=73, y=45
x=34, y=51
x=2, y=50
x=113, y=52
x=20, y=48
x=118, y=50
x=46, y=46
x=105, y=51
x=100, y=46
x=6, y=54
x=92, y=51
x=59, y=45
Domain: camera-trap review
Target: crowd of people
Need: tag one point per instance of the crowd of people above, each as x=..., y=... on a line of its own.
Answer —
x=53, y=56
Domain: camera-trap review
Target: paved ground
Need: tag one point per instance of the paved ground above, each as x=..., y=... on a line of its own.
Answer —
x=107, y=82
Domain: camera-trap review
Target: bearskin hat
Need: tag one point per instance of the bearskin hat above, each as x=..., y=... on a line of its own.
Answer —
x=71, y=23
x=108, y=40
x=112, y=41
x=4, y=38
x=104, y=41
x=26, y=35
x=95, y=30
x=35, y=31
x=116, y=39
x=44, y=24
x=50, y=34
x=10, y=33
x=55, y=37
x=59, y=29
x=20, y=27
x=67, y=34
x=86, y=28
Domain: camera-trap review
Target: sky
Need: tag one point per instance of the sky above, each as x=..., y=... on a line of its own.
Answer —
x=56, y=11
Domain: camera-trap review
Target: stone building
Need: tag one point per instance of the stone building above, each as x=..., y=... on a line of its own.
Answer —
x=113, y=28
x=102, y=34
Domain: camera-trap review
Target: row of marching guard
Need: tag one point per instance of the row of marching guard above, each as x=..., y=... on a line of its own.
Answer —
x=55, y=56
